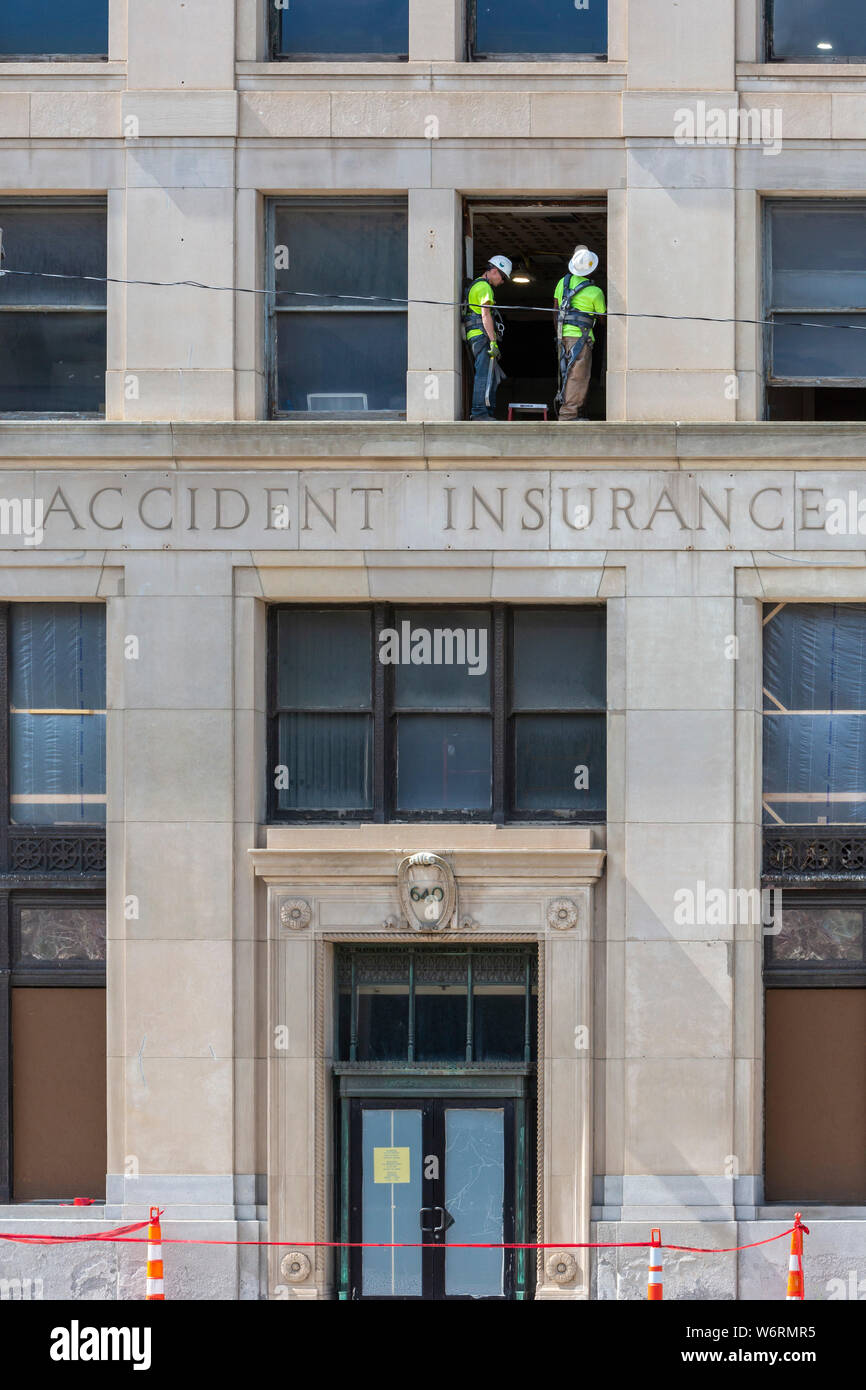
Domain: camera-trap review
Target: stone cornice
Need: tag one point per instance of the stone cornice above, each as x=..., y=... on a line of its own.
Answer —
x=510, y=856
x=743, y=445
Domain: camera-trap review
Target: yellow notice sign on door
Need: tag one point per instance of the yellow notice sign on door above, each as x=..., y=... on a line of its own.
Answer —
x=390, y=1165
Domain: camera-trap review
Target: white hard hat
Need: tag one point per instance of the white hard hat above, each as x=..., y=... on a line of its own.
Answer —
x=502, y=264
x=583, y=262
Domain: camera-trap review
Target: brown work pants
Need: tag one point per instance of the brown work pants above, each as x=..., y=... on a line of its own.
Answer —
x=576, y=383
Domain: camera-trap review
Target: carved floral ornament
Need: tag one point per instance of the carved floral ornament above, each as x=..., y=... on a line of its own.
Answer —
x=295, y=1267
x=295, y=914
x=562, y=914
x=561, y=1267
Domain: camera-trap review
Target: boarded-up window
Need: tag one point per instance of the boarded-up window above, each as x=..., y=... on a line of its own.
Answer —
x=58, y=1093
x=815, y=1142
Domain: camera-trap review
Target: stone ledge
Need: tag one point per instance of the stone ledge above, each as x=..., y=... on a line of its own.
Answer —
x=390, y=444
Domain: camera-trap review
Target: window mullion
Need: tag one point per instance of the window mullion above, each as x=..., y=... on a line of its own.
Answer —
x=380, y=718
x=500, y=713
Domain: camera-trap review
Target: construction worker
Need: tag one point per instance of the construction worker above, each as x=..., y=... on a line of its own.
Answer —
x=483, y=328
x=578, y=302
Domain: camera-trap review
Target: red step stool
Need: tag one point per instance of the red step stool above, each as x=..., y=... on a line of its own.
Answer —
x=538, y=409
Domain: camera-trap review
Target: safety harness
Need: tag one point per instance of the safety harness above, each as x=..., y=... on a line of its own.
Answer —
x=569, y=349
x=472, y=320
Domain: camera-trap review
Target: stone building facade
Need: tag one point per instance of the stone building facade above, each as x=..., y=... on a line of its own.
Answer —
x=195, y=500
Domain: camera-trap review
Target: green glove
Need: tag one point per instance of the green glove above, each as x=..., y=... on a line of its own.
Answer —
x=494, y=349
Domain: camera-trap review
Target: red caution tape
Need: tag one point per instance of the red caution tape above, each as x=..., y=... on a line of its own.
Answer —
x=122, y=1235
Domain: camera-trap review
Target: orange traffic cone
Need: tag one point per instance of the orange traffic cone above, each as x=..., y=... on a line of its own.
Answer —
x=654, y=1286
x=154, y=1257
x=796, y=1282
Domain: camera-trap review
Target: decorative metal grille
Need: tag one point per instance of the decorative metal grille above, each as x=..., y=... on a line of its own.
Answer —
x=814, y=855
x=32, y=852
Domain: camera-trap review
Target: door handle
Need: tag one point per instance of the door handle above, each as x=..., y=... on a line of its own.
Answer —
x=425, y=1229
x=446, y=1222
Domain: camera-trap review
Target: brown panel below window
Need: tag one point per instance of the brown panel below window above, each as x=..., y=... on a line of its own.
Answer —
x=58, y=1093
x=815, y=1095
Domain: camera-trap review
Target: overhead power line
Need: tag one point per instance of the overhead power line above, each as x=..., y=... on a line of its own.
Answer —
x=430, y=303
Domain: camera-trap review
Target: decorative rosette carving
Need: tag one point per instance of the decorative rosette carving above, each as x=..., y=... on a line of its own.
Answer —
x=561, y=1267
x=562, y=914
x=295, y=1267
x=295, y=914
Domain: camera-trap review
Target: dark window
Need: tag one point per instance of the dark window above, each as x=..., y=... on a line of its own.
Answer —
x=438, y=713
x=338, y=353
x=57, y=714
x=555, y=28
x=815, y=714
x=815, y=973
x=816, y=939
x=435, y=1005
x=58, y=1086
x=816, y=307
x=52, y=936
x=821, y=31
x=52, y=331
x=44, y=29
x=353, y=29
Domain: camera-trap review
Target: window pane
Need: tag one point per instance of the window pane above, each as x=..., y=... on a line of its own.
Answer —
x=815, y=768
x=441, y=986
x=341, y=362
x=454, y=656
x=57, y=769
x=344, y=27
x=837, y=282
x=542, y=26
x=551, y=754
x=498, y=1027
x=443, y=763
x=815, y=657
x=323, y=658
x=43, y=27
x=826, y=934
x=382, y=985
x=558, y=659
x=57, y=655
x=61, y=238
x=57, y=757
x=329, y=762
x=389, y=1210
x=475, y=1198
x=499, y=980
x=50, y=934
x=832, y=350
x=52, y=362
x=344, y=249
x=820, y=29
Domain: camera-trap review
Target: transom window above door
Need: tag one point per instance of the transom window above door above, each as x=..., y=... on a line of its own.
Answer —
x=436, y=1005
x=487, y=713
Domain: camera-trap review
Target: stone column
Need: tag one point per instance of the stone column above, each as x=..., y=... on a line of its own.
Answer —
x=680, y=226
x=171, y=1045
x=436, y=30
x=179, y=122
x=670, y=987
x=433, y=383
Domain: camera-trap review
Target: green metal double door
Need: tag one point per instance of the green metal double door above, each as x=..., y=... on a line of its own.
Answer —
x=434, y=1194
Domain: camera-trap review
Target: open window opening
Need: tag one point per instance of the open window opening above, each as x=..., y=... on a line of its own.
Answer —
x=815, y=308
x=539, y=237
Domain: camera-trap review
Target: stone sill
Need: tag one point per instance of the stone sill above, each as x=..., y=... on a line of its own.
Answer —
x=389, y=70
x=398, y=444
x=817, y=71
